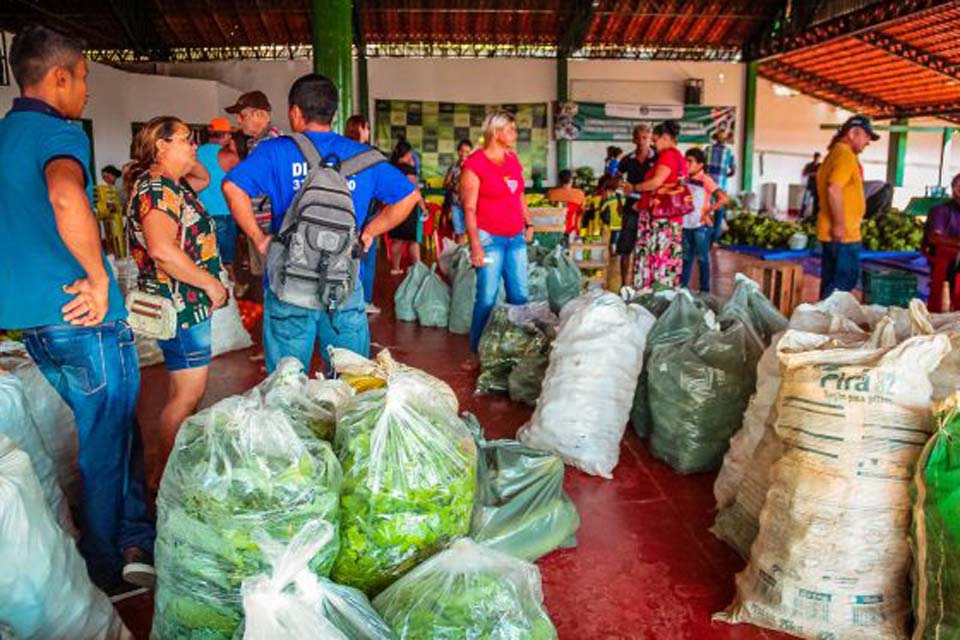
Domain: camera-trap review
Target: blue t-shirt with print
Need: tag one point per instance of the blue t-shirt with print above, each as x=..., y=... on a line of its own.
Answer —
x=277, y=169
x=36, y=263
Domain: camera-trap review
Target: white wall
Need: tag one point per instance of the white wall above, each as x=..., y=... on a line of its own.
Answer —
x=118, y=98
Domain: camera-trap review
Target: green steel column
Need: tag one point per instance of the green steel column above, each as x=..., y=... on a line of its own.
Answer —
x=363, y=86
x=897, y=154
x=333, y=50
x=944, y=145
x=563, y=94
x=749, y=125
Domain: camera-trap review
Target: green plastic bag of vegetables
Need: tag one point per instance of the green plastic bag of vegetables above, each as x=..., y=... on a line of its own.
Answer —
x=513, y=333
x=409, y=468
x=521, y=508
x=682, y=319
x=235, y=467
x=697, y=393
x=403, y=299
x=537, y=290
x=464, y=292
x=311, y=405
x=292, y=602
x=468, y=591
x=525, y=382
x=432, y=302
x=563, y=278
x=936, y=528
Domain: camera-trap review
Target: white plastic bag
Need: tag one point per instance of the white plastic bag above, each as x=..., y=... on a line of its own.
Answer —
x=51, y=415
x=293, y=603
x=831, y=556
x=227, y=330
x=17, y=424
x=588, y=390
x=44, y=588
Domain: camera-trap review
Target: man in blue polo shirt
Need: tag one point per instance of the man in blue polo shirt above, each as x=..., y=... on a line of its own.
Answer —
x=55, y=285
x=277, y=169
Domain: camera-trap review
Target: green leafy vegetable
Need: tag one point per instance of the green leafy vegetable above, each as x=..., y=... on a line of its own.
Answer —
x=513, y=334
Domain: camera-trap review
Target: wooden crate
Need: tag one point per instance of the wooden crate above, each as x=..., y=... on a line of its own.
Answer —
x=780, y=281
x=590, y=255
x=548, y=219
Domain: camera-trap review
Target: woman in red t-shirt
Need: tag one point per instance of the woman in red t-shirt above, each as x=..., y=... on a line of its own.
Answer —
x=659, y=254
x=497, y=219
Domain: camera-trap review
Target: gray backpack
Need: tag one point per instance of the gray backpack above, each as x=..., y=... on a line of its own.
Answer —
x=314, y=260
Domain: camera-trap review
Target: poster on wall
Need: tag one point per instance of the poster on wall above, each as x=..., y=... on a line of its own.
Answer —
x=434, y=128
x=598, y=122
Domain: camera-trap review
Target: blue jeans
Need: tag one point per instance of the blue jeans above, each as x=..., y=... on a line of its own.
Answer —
x=839, y=267
x=457, y=217
x=95, y=370
x=190, y=349
x=226, y=237
x=696, y=245
x=507, y=258
x=289, y=330
x=368, y=273
x=718, y=217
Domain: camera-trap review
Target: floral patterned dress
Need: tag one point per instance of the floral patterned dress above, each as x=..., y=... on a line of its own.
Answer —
x=151, y=191
x=659, y=252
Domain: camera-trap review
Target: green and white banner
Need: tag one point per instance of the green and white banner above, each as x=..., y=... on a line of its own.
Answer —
x=598, y=122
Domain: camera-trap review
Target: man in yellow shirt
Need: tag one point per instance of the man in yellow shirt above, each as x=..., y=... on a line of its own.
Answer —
x=842, y=205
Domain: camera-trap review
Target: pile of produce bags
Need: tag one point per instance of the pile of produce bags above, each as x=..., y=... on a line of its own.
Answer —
x=235, y=467
x=406, y=294
x=432, y=301
x=409, y=466
x=831, y=555
x=468, y=591
x=44, y=588
x=515, y=335
x=589, y=386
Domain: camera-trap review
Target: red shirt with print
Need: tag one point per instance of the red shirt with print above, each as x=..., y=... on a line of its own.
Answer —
x=500, y=199
x=673, y=160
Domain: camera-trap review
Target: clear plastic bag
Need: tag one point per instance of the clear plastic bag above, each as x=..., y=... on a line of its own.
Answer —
x=564, y=282
x=432, y=302
x=227, y=330
x=292, y=603
x=403, y=299
x=521, y=507
x=311, y=405
x=44, y=588
x=409, y=468
x=514, y=333
x=235, y=467
x=17, y=424
x=468, y=591
x=589, y=386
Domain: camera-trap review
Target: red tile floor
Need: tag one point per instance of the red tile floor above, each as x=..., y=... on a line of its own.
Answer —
x=646, y=566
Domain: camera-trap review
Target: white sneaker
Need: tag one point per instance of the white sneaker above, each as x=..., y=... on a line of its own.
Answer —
x=372, y=309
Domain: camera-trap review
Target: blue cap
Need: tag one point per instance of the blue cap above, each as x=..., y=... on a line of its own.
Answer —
x=860, y=121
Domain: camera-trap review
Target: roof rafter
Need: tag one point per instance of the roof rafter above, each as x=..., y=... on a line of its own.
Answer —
x=822, y=88
x=134, y=17
x=907, y=51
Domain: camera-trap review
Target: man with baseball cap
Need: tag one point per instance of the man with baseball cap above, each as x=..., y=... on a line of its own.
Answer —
x=842, y=205
x=218, y=155
x=253, y=113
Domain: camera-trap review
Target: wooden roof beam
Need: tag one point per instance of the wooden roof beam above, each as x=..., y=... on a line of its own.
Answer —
x=573, y=33
x=907, y=51
x=135, y=19
x=824, y=89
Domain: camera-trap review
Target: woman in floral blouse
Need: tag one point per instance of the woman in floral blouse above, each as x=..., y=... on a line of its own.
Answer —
x=164, y=179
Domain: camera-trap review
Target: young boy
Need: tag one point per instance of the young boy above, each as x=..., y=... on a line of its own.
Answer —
x=603, y=211
x=697, y=226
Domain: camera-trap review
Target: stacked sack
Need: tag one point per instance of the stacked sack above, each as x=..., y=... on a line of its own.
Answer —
x=423, y=297
x=590, y=381
x=513, y=350
x=831, y=555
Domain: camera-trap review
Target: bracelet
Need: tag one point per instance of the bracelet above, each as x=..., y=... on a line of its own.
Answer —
x=529, y=225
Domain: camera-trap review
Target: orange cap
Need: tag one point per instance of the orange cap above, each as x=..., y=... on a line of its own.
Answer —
x=220, y=125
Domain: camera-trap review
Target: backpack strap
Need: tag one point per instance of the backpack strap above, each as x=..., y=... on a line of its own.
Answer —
x=361, y=162
x=308, y=149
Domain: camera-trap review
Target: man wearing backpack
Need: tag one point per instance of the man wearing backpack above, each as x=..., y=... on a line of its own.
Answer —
x=312, y=282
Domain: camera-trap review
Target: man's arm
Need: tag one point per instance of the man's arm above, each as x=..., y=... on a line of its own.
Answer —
x=733, y=164
x=241, y=207
x=835, y=200
x=78, y=229
x=469, y=193
x=198, y=177
x=389, y=217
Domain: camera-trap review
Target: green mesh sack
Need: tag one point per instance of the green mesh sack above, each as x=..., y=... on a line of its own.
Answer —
x=466, y=592
x=521, y=507
x=513, y=333
x=697, y=393
x=403, y=299
x=235, y=468
x=936, y=529
x=432, y=302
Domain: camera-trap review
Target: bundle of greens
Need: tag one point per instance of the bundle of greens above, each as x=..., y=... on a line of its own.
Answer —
x=310, y=404
x=468, y=591
x=235, y=467
x=409, y=479
x=514, y=333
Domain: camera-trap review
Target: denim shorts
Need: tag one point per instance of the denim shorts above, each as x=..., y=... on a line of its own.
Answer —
x=189, y=349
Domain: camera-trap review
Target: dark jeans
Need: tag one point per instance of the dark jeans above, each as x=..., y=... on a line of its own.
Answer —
x=696, y=246
x=95, y=370
x=840, y=267
x=718, y=217
x=369, y=271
